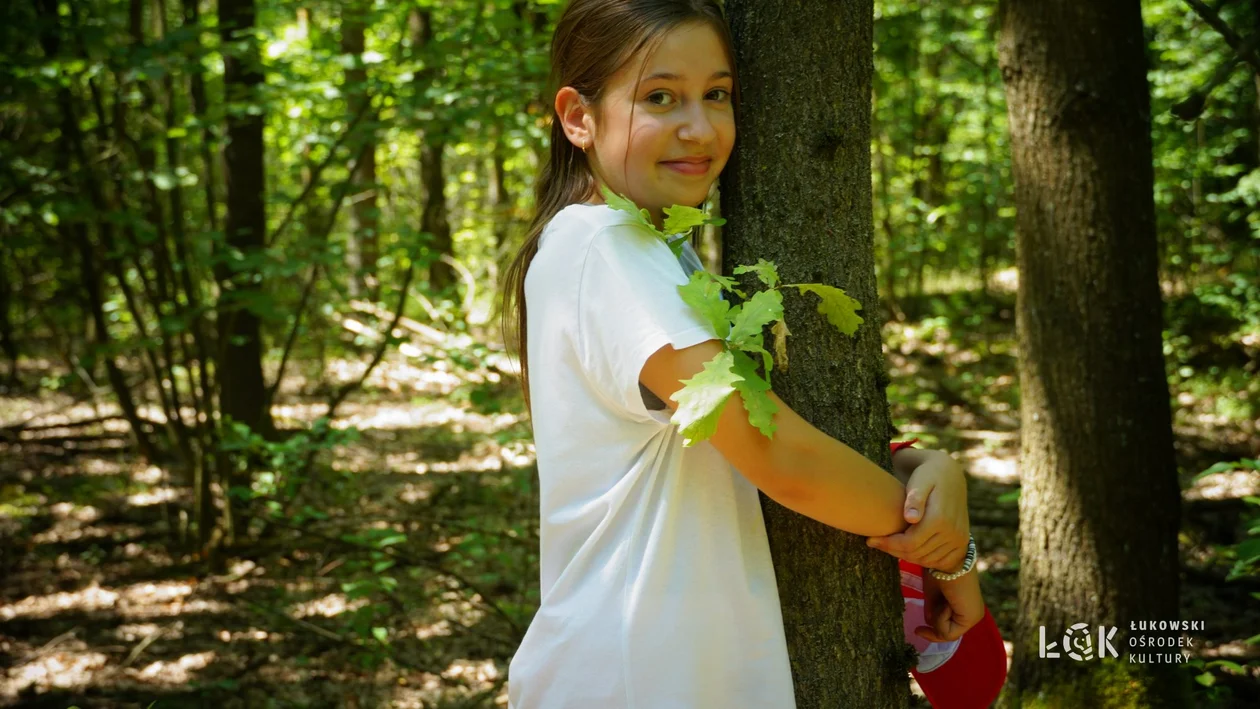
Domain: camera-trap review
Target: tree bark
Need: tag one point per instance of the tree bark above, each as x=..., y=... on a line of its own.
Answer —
x=1097, y=428
x=241, y=381
x=797, y=191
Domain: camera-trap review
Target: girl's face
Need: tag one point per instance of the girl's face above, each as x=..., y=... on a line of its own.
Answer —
x=682, y=110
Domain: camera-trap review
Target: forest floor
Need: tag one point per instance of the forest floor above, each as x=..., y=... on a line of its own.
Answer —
x=410, y=572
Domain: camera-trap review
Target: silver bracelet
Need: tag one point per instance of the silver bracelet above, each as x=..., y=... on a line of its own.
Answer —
x=967, y=564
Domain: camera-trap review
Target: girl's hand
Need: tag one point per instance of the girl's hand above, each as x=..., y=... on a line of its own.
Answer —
x=951, y=608
x=936, y=508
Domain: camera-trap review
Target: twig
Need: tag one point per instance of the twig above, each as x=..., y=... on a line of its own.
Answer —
x=57, y=640
x=1231, y=38
x=140, y=646
x=315, y=174
x=1192, y=106
x=324, y=632
x=340, y=396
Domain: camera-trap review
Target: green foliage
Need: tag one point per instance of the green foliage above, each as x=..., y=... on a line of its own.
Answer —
x=1246, y=553
x=702, y=397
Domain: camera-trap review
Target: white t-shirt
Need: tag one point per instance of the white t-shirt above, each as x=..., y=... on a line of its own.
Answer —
x=658, y=591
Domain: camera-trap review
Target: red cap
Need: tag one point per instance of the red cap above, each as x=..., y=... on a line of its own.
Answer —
x=973, y=675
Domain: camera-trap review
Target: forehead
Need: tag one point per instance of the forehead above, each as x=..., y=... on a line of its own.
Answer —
x=692, y=52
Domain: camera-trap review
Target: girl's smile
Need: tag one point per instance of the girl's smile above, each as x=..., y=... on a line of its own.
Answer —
x=689, y=169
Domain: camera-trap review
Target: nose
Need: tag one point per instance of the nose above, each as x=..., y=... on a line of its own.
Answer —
x=697, y=127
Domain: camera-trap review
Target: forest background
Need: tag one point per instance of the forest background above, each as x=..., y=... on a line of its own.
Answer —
x=318, y=199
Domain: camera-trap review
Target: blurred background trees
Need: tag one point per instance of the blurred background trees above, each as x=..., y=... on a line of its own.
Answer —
x=248, y=246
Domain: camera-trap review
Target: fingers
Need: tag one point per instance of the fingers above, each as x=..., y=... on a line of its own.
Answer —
x=907, y=544
x=916, y=502
x=945, y=627
x=936, y=553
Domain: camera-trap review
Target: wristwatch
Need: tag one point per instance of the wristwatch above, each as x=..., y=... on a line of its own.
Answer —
x=967, y=564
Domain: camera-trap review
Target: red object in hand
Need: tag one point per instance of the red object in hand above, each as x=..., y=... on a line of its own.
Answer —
x=965, y=674
x=902, y=444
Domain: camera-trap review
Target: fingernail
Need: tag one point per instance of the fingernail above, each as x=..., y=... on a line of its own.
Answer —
x=913, y=512
x=871, y=543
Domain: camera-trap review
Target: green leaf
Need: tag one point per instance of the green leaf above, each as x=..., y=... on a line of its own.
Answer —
x=836, y=305
x=1231, y=666
x=680, y=218
x=704, y=294
x=766, y=271
x=390, y=540
x=760, y=407
x=1206, y=679
x=381, y=634
x=760, y=310
x=628, y=206
x=702, y=397
x=1249, y=550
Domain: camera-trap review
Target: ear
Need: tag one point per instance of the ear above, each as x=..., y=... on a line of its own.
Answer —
x=575, y=117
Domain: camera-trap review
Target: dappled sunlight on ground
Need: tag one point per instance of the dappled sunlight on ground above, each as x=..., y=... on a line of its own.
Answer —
x=141, y=600
x=61, y=670
x=1221, y=486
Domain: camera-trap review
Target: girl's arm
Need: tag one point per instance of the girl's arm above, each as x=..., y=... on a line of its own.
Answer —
x=801, y=467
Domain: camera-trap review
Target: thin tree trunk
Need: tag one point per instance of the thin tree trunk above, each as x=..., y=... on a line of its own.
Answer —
x=240, y=337
x=363, y=248
x=7, y=342
x=75, y=233
x=433, y=219
x=1100, y=504
x=501, y=201
x=842, y=608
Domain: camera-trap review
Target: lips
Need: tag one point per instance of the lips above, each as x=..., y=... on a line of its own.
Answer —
x=689, y=167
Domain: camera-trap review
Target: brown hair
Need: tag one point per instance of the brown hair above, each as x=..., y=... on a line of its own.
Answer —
x=592, y=40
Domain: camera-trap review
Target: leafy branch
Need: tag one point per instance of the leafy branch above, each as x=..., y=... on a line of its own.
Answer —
x=740, y=327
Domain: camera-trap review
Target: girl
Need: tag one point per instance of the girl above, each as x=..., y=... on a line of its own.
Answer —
x=658, y=589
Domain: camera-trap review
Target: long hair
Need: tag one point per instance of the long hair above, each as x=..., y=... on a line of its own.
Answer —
x=592, y=41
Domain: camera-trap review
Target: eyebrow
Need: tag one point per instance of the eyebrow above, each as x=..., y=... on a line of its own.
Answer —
x=674, y=77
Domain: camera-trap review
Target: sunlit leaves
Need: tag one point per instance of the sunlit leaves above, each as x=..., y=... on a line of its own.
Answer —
x=836, y=305
x=740, y=326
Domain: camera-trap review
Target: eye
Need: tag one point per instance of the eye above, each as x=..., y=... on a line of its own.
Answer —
x=724, y=96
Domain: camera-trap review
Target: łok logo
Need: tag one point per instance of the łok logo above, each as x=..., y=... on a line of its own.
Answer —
x=1079, y=643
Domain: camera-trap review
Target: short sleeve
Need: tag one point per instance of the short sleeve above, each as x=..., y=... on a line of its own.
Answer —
x=628, y=308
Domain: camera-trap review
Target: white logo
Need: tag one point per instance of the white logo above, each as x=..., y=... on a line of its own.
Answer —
x=1079, y=643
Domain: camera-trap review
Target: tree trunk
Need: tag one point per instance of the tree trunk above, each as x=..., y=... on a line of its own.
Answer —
x=241, y=393
x=363, y=249
x=842, y=607
x=8, y=345
x=433, y=218
x=1094, y=399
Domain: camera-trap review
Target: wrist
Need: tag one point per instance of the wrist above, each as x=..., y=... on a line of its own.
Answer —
x=963, y=570
x=905, y=459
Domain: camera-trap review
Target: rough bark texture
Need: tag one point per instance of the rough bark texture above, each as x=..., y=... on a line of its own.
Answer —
x=797, y=191
x=1100, y=503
